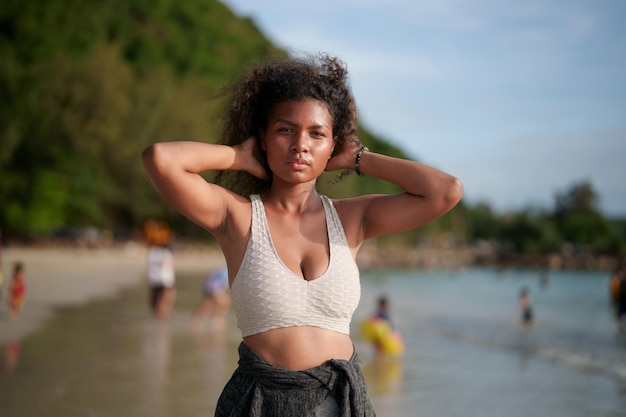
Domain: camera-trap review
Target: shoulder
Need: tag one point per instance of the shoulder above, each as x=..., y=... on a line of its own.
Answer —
x=230, y=209
x=237, y=217
x=351, y=207
x=238, y=205
x=351, y=212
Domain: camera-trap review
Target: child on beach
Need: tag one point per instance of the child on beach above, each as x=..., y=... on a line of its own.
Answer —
x=379, y=330
x=216, y=300
x=382, y=309
x=291, y=252
x=17, y=290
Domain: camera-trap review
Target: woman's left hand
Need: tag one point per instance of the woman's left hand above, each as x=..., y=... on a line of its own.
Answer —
x=344, y=156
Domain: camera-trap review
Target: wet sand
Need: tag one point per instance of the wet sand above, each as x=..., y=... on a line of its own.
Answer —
x=65, y=277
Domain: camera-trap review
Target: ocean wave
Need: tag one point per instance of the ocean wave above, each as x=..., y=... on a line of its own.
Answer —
x=589, y=355
x=586, y=361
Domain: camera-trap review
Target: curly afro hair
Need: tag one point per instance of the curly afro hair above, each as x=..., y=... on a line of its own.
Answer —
x=253, y=98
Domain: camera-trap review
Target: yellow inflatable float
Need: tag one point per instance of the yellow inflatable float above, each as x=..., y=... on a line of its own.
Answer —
x=380, y=333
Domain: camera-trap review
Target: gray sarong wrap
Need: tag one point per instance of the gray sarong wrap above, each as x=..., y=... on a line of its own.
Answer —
x=259, y=389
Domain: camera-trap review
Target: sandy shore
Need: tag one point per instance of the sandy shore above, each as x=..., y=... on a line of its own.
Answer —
x=58, y=277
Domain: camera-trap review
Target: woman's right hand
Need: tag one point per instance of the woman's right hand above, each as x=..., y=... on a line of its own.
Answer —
x=248, y=158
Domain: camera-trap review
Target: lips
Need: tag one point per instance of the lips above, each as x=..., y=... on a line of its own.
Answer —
x=298, y=163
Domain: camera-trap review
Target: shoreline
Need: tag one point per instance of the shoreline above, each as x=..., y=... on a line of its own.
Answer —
x=59, y=277
x=66, y=276
x=428, y=257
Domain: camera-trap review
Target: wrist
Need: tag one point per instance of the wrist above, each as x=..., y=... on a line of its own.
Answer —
x=357, y=161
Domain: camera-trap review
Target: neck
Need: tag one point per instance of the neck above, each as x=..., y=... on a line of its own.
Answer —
x=293, y=199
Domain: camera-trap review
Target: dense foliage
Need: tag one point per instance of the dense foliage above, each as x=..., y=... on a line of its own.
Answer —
x=574, y=224
x=86, y=85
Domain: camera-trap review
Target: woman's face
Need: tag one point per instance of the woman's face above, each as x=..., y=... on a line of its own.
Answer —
x=298, y=140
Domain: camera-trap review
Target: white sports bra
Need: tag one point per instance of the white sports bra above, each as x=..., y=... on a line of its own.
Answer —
x=267, y=295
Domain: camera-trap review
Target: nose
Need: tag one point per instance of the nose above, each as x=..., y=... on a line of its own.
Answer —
x=300, y=143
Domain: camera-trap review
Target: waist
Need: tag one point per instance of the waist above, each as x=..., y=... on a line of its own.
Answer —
x=300, y=347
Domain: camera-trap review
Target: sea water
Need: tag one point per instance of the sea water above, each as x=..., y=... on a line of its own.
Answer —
x=466, y=352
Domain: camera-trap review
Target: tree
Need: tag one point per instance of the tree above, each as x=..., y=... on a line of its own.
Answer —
x=579, y=198
x=580, y=223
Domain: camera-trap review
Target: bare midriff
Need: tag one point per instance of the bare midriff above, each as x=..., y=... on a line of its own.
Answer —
x=300, y=347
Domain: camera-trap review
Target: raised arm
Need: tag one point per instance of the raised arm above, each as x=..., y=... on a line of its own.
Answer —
x=429, y=193
x=174, y=167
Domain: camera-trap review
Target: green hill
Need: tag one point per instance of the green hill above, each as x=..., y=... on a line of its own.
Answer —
x=86, y=85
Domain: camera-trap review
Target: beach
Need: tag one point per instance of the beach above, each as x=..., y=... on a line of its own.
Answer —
x=88, y=345
x=59, y=277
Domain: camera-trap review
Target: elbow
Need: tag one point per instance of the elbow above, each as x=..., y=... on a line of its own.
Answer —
x=453, y=192
x=153, y=157
x=147, y=156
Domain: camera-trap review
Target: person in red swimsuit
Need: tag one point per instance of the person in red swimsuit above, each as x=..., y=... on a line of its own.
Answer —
x=17, y=290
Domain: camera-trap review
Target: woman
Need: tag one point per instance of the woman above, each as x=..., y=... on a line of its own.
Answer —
x=290, y=252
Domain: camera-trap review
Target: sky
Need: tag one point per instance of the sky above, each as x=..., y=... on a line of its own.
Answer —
x=520, y=99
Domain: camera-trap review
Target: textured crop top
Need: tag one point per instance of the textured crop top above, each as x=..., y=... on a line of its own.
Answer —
x=267, y=295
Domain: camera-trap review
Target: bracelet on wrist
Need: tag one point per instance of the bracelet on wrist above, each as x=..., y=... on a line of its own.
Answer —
x=358, y=160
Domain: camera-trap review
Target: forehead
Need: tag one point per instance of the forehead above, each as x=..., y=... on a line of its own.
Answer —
x=309, y=111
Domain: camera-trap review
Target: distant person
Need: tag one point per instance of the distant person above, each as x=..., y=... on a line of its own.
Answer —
x=525, y=308
x=17, y=290
x=161, y=280
x=380, y=332
x=614, y=285
x=620, y=298
x=382, y=309
x=216, y=300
